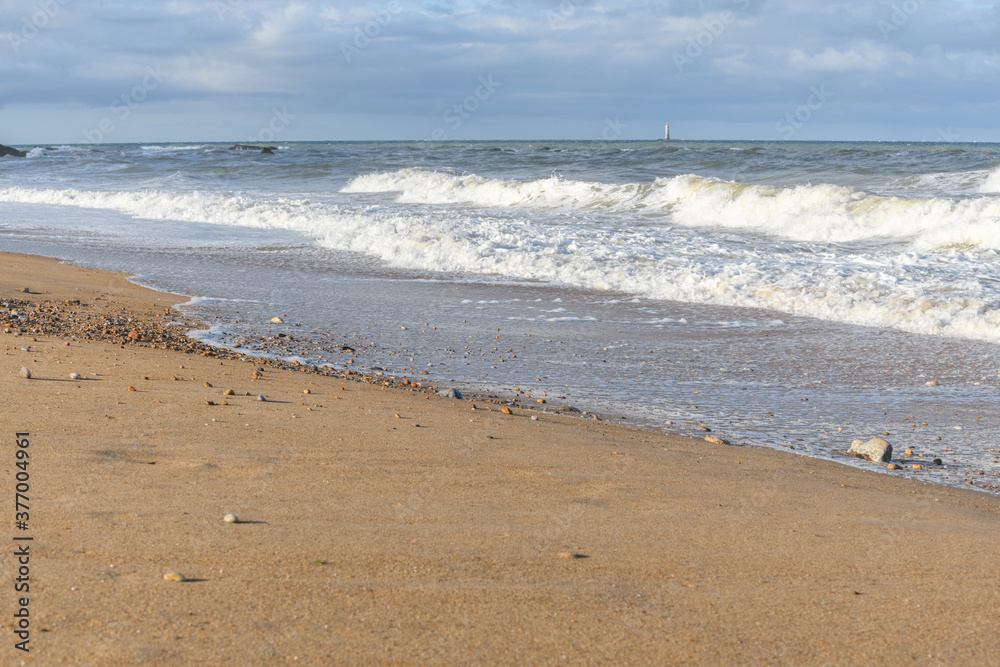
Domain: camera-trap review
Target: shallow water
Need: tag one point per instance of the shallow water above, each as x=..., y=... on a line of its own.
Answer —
x=642, y=281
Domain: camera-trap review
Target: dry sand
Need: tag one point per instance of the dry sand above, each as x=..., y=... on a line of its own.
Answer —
x=475, y=537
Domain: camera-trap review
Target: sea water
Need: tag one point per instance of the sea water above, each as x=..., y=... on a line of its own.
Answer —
x=791, y=295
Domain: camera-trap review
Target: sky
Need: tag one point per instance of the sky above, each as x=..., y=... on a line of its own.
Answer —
x=92, y=71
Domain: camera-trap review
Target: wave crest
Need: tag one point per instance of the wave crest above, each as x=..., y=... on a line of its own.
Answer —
x=807, y=213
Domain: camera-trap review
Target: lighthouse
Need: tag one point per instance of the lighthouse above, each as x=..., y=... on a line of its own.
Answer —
x=666, y=132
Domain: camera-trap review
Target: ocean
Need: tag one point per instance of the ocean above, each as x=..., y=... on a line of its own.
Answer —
x=784, y=294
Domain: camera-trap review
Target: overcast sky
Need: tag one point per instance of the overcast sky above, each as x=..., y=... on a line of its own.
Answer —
x=73, y=71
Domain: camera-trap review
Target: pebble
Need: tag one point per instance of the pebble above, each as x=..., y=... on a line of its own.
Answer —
x=74, y=376
x=909, y=452
x=277, y=320
x=715, y=440
x=231, y=518
x=260, y=397
x=506, y=411
x=917, y=466
x=174, y=576
x=451, y=393
x=25, y=372
x=892, y=466
x=131, y=388
x=229, y=392
x=306, y=391
x=932, y=383
x=208, y=384
x=540, y=401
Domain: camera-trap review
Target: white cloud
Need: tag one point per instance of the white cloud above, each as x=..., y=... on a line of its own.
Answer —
x=865, y=57
x=574, y=60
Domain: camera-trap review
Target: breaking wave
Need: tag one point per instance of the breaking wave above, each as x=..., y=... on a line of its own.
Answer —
x=808, y=213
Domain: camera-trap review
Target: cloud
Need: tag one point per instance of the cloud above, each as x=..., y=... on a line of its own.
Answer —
x=579, y=61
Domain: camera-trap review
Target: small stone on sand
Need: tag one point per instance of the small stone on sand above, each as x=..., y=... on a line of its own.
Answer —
x=260, y=397
x=174, y=576
x=892, y=466
x=715, y=441
x=229, y=392
x=74, y=376
x=208, y=384
x=277, y=320
x=131, y=388
x=506, y=411
x=306, y=391
x=25, y=373
x=231, y=518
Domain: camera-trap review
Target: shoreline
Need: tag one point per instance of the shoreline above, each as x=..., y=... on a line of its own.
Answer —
x=386, y=525
x=282, y=351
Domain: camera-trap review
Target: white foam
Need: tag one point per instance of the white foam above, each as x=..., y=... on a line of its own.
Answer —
x=811, y=213
x=157, y=148
x=908, y=287
x=991, y=184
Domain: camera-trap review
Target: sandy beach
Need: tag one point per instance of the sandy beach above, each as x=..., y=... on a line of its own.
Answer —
x=386, y=525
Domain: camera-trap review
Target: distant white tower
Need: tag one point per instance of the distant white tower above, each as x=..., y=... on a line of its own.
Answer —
x=666, y=132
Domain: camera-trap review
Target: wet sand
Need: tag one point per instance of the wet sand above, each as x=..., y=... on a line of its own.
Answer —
x=442, y=535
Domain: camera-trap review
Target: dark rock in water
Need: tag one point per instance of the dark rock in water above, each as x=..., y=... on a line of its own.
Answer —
x=13, y=152
x=248, y=147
